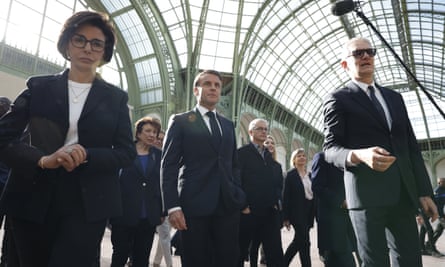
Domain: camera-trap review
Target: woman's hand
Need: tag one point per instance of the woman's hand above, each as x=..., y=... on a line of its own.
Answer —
x=68, y=157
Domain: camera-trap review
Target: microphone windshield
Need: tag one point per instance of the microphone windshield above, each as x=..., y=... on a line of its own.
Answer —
x=342, y=7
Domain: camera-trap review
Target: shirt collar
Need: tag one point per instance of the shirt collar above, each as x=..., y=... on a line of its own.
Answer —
x=364, y=86
x=204, y=110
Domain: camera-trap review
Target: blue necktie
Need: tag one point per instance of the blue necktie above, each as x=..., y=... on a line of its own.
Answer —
x=216, y=134
x=376, y=103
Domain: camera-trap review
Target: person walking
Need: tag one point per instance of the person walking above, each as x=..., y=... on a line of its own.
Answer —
x=133, y=232
x=64, y=183
x=205, y=200
x=368, y=134
x=336, y=237
x=298, y=208
x=262, y=181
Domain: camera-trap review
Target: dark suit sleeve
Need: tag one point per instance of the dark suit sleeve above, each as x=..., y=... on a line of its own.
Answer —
x=279, y=175
x=287, y=197
x=320, y=184
x=13, y=152
x=171, y=163
x=335, y=136
x=421, y=176
x=235, y=163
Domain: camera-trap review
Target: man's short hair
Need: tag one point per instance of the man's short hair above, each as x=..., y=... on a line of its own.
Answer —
x=253, y=123
x=199, y=75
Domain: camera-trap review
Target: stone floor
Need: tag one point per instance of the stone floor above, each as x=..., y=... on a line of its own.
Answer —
x=428, y=261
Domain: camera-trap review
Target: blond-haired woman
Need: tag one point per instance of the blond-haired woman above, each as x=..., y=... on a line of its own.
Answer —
x=298, y=208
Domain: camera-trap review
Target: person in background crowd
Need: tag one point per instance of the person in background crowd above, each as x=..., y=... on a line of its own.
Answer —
x=368, y=135
x=298, y=208
x=204, y=202
x=262, y=181
x=439, y=197
x=163, y=248
x=270, y=145
x=133, y=232
x=256, y=244
x=336, y=238
x=64, y=184
x=427, y=248
x=5, y=104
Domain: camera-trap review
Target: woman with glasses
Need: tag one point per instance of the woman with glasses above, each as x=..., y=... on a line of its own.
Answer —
x=64, y=184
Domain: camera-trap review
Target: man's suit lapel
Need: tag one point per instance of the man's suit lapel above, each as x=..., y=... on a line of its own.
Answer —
x=225, y=127
x=254, y=151
x=363, y=100
x=390, y=103
x=202, y=125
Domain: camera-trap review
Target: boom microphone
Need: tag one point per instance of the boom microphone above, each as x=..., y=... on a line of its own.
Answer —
x=342, y=7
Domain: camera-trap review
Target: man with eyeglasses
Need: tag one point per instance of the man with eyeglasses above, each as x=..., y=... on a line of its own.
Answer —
x=369, y=135
x=262, y=181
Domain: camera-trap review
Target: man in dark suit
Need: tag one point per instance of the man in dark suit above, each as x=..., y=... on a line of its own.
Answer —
x=336, y=238
x=5, y=104
x=262, y=181
x=369, y=135
x=205, y=200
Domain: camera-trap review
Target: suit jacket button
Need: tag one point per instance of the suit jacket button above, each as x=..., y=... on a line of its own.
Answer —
x=144, y=184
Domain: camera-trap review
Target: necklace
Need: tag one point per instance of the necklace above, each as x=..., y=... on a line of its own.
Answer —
x=76, y=97
x=77, y=87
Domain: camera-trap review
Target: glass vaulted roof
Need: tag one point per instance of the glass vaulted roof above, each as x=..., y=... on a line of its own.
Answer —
x=287, y=49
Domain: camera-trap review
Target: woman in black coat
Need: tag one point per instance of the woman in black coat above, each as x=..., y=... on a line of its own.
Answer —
x=298, y=208
x=132, y=234
x=64, y=182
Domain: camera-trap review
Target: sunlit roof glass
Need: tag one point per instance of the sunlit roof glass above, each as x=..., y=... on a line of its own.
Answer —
x=114, y=5
x=39, y=38
x=134, y=34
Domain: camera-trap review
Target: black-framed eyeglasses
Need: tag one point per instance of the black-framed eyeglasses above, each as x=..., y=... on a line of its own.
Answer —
x=80, y=41
x=359, y=53
x=260, y=129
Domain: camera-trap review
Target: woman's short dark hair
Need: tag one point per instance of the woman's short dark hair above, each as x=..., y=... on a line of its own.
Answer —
x=92, y=18
x=139, y=124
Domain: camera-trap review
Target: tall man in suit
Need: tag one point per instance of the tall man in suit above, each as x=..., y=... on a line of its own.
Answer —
x=369, y=135
x=204, y=202
x=262, y=181
x=336, y=238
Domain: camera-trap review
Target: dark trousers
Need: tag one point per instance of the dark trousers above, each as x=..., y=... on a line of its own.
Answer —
x=211, y=240
x=300, y=243
x=426, y=229
x=254, y=247
x=69, y=241
x=4, y=251
x=136, y=240
x=338, y=258
x=392, y=227
x=437, y=233
x=266, y=229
